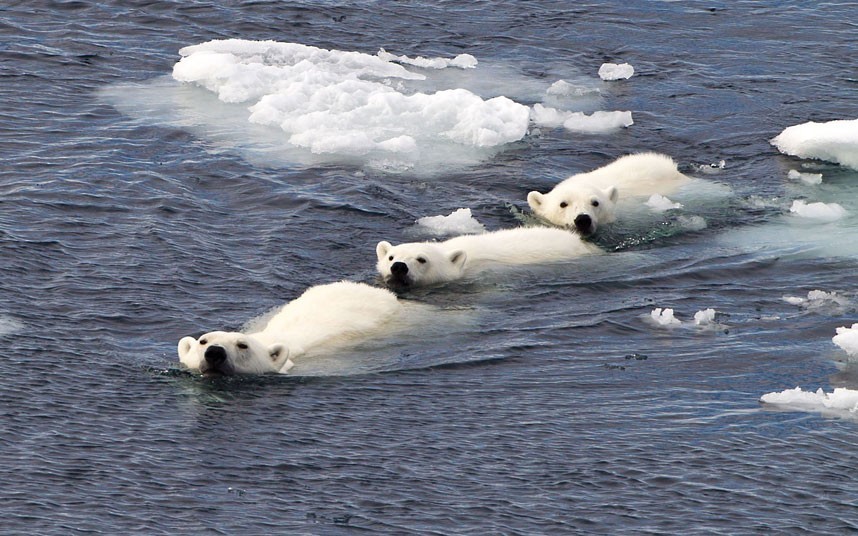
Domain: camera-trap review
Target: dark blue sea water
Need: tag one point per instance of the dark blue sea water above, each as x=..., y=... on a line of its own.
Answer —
x=553, y=408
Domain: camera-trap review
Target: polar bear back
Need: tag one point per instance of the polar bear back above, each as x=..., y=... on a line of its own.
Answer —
x=326, y=315
x=524, y=245
x=641, y=174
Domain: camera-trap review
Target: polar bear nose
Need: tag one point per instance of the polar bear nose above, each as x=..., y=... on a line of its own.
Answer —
x=399, y=268
x=215, y=355
x=583, y=223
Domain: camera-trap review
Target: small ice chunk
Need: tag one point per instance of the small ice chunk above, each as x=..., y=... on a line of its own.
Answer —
x=664, y=317
x=613, y=71
x=847, y=338
x=456, y=223
x=660, y=203
x=839, y=399
x=834, y=141
x=714, y=167
x=562, y=88
x=597, y=123
x=809, y=178
x=706, y=317
x=692, y=223
x=817, y=211
x=462, y=61
x=818, y=299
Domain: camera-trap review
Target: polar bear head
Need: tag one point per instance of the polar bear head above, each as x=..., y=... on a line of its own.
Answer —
x=228, y=353
x=418, y=263
x=576, y=206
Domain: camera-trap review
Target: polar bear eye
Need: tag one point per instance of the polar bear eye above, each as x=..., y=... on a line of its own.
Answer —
x=242, y=345
x=204, y=342
x=595, y=202
x=421, y=260
x=390, y=258
x=564, y=204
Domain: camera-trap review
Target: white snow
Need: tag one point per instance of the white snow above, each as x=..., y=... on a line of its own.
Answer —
x=817, y=211
x=840, y=399
x=599, y=122
x=847, y=339
x=456, y=223
x=834, y=141
x=660, y=203
x=613, y=71
x=809, y=178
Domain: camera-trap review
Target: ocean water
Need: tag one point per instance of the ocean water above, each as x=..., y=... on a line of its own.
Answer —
x=135, y=209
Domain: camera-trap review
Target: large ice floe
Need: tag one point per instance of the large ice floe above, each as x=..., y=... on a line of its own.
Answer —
x=834, y=141
x=840, y=402
x=280, y=103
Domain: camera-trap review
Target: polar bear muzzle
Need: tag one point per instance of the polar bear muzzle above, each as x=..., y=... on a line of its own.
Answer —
x=216, y=361
x=584, y=224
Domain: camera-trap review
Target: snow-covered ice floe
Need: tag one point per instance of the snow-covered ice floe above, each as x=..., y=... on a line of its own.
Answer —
x=841, y=401
x=834, y=141
x=847, y=339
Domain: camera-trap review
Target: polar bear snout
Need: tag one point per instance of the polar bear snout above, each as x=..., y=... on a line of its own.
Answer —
x=215, y=355
x=399, y=269
x=584, y=224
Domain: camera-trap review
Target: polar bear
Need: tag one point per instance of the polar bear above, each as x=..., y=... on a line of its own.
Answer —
x=587, y=200
x=426, y=263
x=323, y=318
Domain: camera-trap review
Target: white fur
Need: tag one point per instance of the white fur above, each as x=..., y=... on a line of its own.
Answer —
x=323, y=317
x=463, y=256
x=591, y=197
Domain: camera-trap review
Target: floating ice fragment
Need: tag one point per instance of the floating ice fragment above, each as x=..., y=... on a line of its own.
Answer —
x=840, y=399
x=817, y=211
x=834, y=141
x=660, y=203
x=613, y=71
x=809, y=178
x=462, y=61
x=692, y=223
x=562, y=88
x=664, y=317
x=819, y=299
x=598, y=122
x=456, y=223
x=847, y=339
x=705, y=317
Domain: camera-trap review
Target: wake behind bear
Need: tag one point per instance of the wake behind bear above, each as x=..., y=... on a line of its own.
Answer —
x=585, y=201
x=426, y=263
x=325, y=318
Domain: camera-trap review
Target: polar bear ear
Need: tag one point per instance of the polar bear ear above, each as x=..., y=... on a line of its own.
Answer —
x=278, y=352
x=458, y=258
x=534, y=199
x=185, y=345
x=613, y=194
x=382, y=248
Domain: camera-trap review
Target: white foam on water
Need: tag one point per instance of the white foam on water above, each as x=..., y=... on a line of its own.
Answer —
x=613, y=71
x=458, y=222
x=9, y=325
x=834, y=141
x=847, y=339
x=841, y=400
x=817, y=211
x=808, y=178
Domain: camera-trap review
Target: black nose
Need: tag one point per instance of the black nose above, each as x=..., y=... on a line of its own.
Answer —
x=215, y=355
x=583, y=223
x=399, y=268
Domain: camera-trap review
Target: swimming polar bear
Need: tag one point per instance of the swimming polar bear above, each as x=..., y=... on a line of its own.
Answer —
x=324, y=317
x=426, y=263
x=587, y=200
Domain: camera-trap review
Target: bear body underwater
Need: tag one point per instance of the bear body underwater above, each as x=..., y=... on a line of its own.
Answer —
x=585, y=201
x=426, y=263
x=324, y=317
